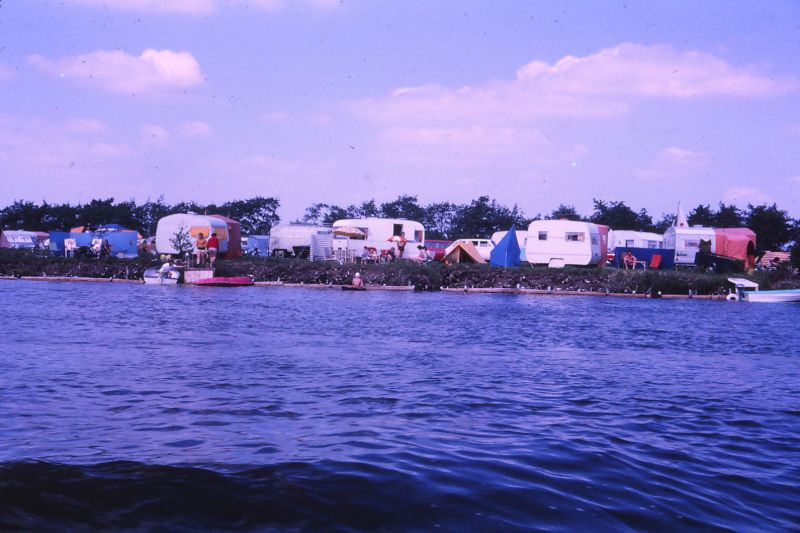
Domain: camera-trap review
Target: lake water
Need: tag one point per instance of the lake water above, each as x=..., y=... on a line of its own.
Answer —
x=266, y=408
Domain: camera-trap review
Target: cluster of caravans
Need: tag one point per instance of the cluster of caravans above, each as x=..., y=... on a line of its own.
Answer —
x=555, y=243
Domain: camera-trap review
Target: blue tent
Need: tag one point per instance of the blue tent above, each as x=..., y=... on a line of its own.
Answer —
x=506, y=253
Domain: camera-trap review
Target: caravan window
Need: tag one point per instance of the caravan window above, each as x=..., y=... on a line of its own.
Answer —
x=628, y=243
x=418, y=235
x=542, y=235
x=652, y=244
x=574, y=236
x=366, y=232
x=397, y=229
x=691, y=244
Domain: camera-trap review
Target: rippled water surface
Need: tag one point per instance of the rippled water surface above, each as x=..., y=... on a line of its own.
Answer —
x=261, y=408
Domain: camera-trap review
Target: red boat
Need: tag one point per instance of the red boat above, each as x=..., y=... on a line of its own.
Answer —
x=239, y=281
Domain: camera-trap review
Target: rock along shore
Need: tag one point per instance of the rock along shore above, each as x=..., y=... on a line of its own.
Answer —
x=432, y=277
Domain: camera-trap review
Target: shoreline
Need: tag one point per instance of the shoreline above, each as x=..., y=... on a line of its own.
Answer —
x=407, y=276
x=398, y=288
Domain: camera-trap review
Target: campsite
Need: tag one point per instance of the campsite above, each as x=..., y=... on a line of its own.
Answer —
x=554, y=255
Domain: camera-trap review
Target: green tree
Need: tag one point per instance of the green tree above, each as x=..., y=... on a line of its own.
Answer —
x=405, y=206
x=617, y=215
x=728, y=216
x=772, y=226
x=438, y=219
x=256, y=215
x=702, y=215
x=483, y=216
x=324, y=214
x=664, y=223
x=149, y=213
x=564, y=212
x=181, y=240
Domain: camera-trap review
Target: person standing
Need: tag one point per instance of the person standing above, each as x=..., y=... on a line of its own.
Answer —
x=213, y=247
x=200, y=246
x=401, y=245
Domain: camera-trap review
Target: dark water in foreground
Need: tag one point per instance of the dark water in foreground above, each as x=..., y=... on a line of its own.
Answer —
x=140, y=407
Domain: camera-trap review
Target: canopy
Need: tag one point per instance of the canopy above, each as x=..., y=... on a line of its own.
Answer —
x=506, y=252
x=463, y=252
x=348, y=231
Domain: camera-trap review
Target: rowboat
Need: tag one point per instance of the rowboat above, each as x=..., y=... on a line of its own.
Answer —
x=747, y=291
x=236, y=281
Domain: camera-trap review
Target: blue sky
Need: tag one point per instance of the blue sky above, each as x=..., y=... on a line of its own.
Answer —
x=534, y=103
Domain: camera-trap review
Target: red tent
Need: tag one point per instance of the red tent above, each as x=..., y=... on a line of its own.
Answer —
x=738, y=243
x=234, y=237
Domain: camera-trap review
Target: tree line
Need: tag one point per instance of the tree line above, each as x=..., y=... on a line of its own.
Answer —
x=256, y=215
x=443, y=220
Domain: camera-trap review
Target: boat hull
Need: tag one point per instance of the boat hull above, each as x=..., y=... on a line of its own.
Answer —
x=239, y=281
x=778, y=296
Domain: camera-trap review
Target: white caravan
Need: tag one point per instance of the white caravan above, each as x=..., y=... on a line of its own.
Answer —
x=634, y=239
x=378, y=233
x=193, y=223
x=293, y=239
x=484, y=246
x=685, y=240
x=557, y=243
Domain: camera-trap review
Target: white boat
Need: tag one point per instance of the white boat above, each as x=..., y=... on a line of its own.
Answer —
x=166, y=275
x=747, y=291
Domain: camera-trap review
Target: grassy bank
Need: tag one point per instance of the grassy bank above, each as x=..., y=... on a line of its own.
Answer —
x=422, y=277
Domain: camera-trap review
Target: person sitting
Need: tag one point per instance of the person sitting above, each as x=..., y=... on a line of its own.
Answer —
x=365, y=255
x=629, y=260
x=374, y=257
x=390, y=255
x=200, y=246
x=357, y=281
x=422, y=257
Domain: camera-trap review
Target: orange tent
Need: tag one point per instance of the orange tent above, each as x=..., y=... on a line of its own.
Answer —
x=462, y=252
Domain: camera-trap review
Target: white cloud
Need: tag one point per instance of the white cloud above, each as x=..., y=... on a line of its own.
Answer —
x=154, y=134
x=152, y=72
x=85, y=125
x=275, y=117
x=795, y=179
x=198, y=7
x=674, y=162
x=186, y=7
x=36, y=144
x=603, y=84
x=746, y=195
x=194, y=129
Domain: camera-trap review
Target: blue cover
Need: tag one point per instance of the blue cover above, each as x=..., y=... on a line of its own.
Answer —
x=507, y=252
x=57, y=241
x=122, y=242
x=258, y=242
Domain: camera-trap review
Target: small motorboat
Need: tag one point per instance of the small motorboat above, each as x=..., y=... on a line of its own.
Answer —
x=235, y=281
x=166, y=275
x=747, y=291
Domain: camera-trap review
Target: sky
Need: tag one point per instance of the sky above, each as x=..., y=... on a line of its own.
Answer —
x=533, y=103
